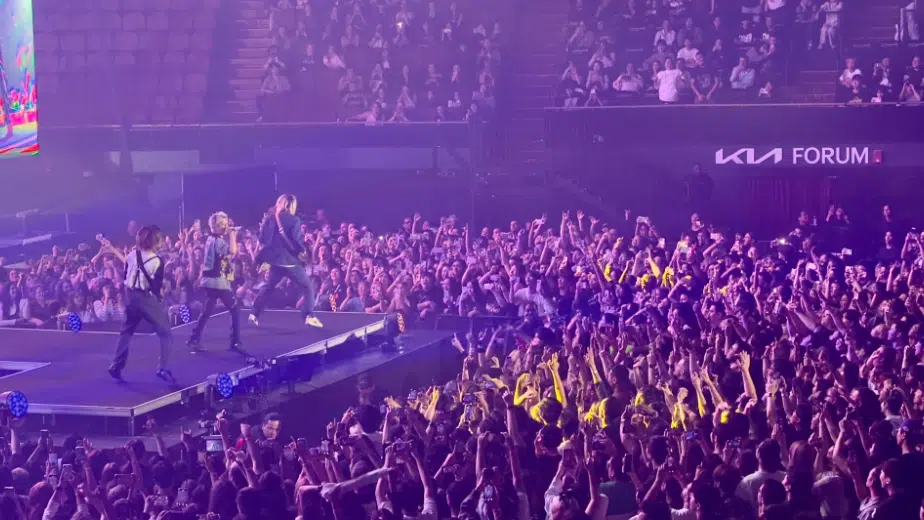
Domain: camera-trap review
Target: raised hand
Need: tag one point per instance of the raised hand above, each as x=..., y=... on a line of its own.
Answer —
x=745, y=360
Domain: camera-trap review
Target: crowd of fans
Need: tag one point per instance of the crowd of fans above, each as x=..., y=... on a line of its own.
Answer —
x=886, y=83
x=385, y=61
x=709, y=377
x=689, y=51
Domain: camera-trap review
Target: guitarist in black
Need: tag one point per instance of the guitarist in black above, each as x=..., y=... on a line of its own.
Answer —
x=282, y=246
x=144, y=278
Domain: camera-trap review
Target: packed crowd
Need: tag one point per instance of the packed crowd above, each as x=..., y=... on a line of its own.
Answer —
x=715, y=377
x=884, y=83
x=682, y=51
x=388, y=61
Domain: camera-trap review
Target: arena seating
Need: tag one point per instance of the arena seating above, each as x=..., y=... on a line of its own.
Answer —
x=276, y=34
x=108, y=61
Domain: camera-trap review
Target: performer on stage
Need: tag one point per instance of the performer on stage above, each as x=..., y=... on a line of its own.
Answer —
x=217, y=276
x=282, y=245
x=6, y=118
x=144, y=277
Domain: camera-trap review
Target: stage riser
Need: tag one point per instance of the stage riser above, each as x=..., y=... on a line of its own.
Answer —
x=427, y=359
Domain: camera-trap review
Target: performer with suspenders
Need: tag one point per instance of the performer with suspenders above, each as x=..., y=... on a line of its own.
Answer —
x=144, y=277
x=216, y=279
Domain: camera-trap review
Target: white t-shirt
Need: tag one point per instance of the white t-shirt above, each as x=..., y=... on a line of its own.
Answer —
x=773, y=5
x=687, y=55
x=750, y=485
x=134, y=278
x=628, y=83
x=667, y=85
x=848, y=75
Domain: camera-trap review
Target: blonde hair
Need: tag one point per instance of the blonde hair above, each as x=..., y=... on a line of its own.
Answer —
x=216, y=219
x=288, y=201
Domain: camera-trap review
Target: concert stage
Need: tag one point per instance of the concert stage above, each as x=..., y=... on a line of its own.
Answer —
x=64, y=374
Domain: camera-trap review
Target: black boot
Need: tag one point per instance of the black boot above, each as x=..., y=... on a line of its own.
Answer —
x=166, y=375
x=115, y=372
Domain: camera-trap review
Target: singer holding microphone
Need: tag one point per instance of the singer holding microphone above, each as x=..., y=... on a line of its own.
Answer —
x=217, y=276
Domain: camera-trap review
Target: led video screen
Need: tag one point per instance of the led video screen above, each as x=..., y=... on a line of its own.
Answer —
x=18, y=97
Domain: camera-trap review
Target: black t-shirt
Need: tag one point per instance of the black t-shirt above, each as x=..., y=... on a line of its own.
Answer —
x=433, y=294
x=888, y=255
x=45, y=310
x=915, y=76
x=899, y=507
x=705, y=79
x=334, y=297
x=700, y=188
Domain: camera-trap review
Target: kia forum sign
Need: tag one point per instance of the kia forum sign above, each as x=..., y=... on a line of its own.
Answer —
x=798, y=156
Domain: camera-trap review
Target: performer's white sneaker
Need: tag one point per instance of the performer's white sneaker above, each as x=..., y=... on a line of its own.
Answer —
x=313, y=321
x=253, y=319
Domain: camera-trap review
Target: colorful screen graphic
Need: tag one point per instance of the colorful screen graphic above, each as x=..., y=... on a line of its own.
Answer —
x=18, y=100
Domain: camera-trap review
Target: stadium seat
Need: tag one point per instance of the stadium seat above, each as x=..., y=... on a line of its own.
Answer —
x=85, y=22
x=133, y=21
x=201, y=40
x=189, y=109
x=178, y=41
x=48, y=42
x=162, y=109
x=126, y=41
x=175, y=59
x=180, y=21
x=198, y=62
x=59, y=22
x=111, y=21
x=170, y=83
x=134, y=5
x=150, y=59
x=98, y=60
x=180, y=5
x=206, y=19
x=72, y=61
x=157, y=21
x=155, y=53
x=73, y=42
x=109, y=5
x=195, y=83
x=124, y=58
x=147, y=84
x=153, y=40
x=50, y=84
x=99, y=41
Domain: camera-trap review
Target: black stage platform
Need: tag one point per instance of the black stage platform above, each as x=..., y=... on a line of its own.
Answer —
x=65, y=373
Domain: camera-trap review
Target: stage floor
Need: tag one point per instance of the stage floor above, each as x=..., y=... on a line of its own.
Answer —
x=65, y=373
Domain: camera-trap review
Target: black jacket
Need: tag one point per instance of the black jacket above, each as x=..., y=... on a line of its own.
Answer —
x=277, y=250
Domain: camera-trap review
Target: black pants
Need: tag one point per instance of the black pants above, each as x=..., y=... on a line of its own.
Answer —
x=297, y=274
x=142, y=305
x=226, y=297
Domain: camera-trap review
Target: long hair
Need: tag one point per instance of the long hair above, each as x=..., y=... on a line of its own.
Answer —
x=287, y=200
x=148, y=237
